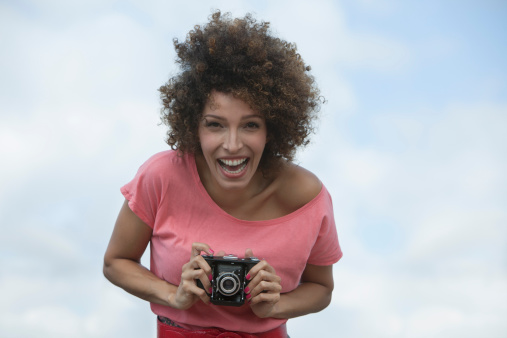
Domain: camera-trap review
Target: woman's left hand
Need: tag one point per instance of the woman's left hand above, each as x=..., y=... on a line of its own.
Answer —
x=263, y=290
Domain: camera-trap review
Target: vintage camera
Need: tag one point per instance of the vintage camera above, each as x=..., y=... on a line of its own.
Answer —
x=229, y=278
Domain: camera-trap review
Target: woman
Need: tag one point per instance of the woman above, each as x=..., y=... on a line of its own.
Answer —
x=241, y=105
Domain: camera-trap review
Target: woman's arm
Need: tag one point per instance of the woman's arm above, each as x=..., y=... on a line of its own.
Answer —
x=312, y=295
x=122, y=261
x=122, y=266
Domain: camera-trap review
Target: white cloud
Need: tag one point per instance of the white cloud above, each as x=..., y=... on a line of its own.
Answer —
x=378, y=7
x=443, y=190
x=103, y=311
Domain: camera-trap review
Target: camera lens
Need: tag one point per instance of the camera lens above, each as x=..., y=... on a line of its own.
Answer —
x=228, y=284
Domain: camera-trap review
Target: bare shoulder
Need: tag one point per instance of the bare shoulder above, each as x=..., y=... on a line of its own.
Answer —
x=297, y=186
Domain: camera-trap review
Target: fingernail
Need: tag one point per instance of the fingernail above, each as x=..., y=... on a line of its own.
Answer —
x=210, y=290
x=211, y=250
x=248, y=276
x=247, y=289
x=210, y=277
x=248, y=296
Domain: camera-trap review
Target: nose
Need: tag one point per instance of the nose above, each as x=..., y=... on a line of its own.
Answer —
x=232, y=142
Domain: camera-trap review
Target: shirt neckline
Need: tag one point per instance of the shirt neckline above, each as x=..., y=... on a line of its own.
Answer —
x=202, y=190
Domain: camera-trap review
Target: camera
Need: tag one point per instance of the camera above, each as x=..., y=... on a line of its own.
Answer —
x=229, y=278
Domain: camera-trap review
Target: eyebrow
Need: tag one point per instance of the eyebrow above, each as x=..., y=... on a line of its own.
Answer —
x=222, y=118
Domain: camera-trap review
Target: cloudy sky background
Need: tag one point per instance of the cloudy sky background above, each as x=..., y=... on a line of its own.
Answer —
x=411, y=145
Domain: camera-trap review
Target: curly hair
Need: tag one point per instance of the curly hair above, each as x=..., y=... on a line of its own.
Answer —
x=241, y=57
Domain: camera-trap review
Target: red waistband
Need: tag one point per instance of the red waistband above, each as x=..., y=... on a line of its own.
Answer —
x=167, y=331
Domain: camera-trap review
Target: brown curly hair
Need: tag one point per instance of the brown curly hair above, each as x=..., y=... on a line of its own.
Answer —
x=242, y=58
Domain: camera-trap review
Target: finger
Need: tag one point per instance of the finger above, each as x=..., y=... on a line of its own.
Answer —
x=266, y=287
x=205, y=280
x=265, y=297
x=264, y=282
x=194, y=289
x=263, y=276
x=193, y=275
x=198, y=268
x=197, y=248
x=262, y=265
x=197, y=262
x=249, y=253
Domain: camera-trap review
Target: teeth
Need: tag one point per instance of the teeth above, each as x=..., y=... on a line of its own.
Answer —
x=233, y=162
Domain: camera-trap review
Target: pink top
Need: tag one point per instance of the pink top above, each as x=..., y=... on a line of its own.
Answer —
x=168, y=196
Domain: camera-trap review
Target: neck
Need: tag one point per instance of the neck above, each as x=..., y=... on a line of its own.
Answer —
x=229, y=199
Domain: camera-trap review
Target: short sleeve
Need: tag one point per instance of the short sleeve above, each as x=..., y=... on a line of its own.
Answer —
x=144, y=192
x=326, y=250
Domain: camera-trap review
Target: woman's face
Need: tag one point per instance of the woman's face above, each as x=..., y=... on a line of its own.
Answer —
x=232, y=138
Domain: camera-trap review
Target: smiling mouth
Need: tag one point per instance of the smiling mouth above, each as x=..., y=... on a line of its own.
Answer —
x=233, y=166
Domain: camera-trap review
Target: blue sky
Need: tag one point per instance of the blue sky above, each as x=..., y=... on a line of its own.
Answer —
x=410, y=143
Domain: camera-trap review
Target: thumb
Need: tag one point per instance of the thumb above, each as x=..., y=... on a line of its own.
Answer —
x=248, y=253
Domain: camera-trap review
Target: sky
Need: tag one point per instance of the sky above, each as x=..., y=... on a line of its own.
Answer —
x=410, y=144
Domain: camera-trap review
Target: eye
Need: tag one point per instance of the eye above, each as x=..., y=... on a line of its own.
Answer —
x=212, y=124
x=252, y=125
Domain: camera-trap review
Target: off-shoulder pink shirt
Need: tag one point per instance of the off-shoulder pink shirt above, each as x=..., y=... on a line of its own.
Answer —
x=168, y=196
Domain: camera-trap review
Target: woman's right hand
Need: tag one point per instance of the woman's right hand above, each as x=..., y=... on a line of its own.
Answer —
x=188, y=293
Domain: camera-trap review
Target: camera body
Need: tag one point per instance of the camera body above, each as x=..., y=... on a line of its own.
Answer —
x=229, y=278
